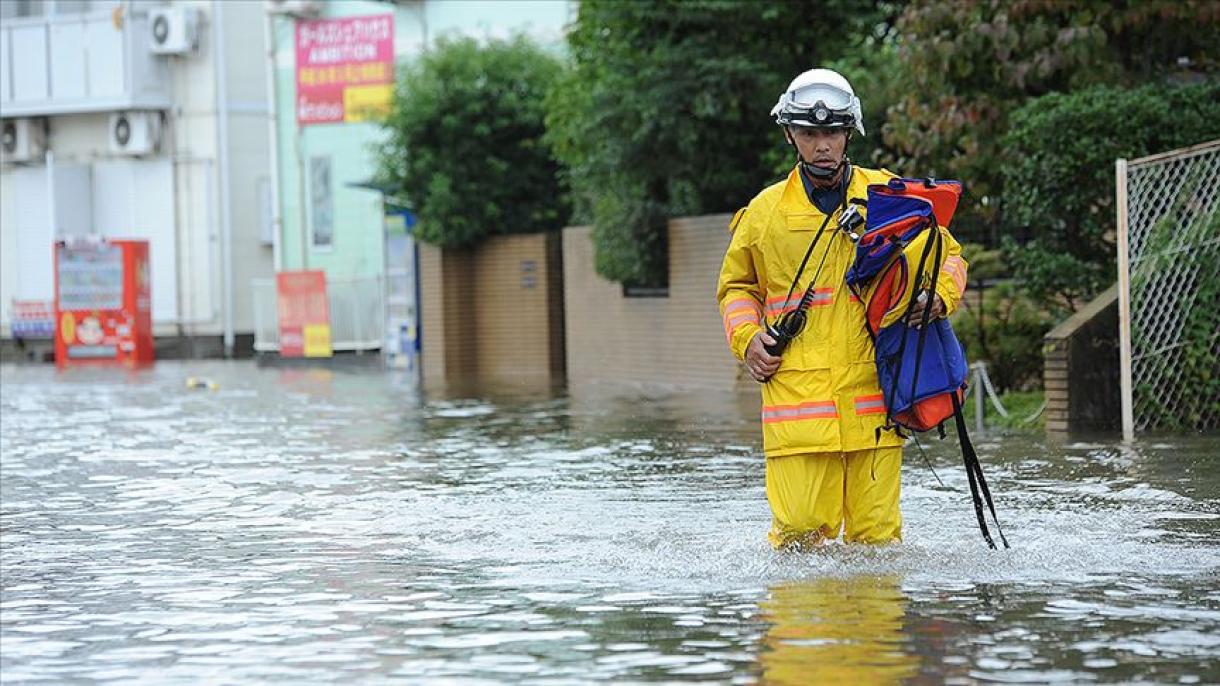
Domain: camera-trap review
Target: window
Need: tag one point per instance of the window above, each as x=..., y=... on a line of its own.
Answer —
x=321, y=203
x=72, y=6
x=21, y=8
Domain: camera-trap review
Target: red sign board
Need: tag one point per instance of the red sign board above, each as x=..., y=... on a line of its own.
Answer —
x=345, y=69
x=303, y=313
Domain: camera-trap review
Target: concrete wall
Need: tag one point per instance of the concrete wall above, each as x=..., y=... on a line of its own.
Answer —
x=493, y=314
x=676, y=340
x=446, y=288
x=1081, y=370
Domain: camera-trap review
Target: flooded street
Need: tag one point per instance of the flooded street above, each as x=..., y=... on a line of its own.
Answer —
x=329, y=526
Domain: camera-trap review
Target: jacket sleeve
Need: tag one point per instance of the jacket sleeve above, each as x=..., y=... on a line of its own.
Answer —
x=739, y=293
x=951, y=283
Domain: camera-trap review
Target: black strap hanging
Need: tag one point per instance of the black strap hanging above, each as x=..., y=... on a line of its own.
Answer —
x=974, y=474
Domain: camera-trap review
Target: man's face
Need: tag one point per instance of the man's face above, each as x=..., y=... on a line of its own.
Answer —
x=821, y=147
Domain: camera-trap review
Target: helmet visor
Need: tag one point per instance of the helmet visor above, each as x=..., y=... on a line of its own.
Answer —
x=809, y=96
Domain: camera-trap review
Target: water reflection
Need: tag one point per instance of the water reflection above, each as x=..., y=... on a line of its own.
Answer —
x=832, y=630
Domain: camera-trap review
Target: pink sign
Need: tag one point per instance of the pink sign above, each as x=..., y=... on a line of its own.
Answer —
x=345, y=69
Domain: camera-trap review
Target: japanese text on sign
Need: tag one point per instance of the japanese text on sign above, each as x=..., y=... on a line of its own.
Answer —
x=335, y=56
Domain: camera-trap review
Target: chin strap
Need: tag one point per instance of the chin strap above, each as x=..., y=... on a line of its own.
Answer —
x=815, y=171
x=818, y=172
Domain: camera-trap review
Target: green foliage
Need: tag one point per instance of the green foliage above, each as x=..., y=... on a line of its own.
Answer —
x=1005, y=332
x=984, y=263
x=968, y=64
x=465, y=145
x=665, y=111
x=1059, y=176
x=1020, y=405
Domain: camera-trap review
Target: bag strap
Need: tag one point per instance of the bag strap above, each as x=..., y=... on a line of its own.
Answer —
x=974, y=474
x=805, y=260
x=927, y=308
x=902, y=345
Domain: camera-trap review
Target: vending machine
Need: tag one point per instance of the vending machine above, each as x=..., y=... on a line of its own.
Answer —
x=103, y=309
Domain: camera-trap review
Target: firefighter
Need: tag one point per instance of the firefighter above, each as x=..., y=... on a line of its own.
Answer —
x=830, y=469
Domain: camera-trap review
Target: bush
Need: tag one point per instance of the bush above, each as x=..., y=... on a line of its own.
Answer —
x=464, y=148
x=1058, y=175
x=1006, y=334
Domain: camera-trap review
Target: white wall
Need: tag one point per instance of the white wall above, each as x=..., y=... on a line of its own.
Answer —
x=173, y=197
x=134, y=198
x=29, y=260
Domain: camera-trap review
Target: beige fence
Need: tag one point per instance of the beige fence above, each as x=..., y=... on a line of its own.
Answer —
x=1168, y=271
x=493, y=314
x=676, y=340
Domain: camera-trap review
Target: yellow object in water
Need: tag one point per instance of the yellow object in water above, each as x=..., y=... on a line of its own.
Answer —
x=197, y=382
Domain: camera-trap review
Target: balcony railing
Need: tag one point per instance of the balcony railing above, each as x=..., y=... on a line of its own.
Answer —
x=89, y=62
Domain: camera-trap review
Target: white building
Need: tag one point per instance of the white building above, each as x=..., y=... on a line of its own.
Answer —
x=139, y=119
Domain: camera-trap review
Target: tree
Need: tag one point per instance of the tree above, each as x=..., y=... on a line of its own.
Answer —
x=465, y=145
x=970, y=63
x=1059, y=179
x=665, y=110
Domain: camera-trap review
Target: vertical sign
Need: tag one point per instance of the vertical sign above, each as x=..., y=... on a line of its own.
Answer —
x=345, y=69
x=303, y=313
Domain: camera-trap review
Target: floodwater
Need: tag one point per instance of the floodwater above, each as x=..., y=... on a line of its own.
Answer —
x=313, y=526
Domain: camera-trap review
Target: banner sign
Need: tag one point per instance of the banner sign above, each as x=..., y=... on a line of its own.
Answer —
x=32, y=318
x=304, y=314
x=345, y=69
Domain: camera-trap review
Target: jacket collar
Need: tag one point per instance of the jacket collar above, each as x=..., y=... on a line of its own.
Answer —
x=794, y=202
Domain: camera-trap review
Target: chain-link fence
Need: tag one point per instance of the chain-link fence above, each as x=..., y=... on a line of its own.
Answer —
x=1169, y=289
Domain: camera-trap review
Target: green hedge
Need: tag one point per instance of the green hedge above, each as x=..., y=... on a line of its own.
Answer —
x=665, y=110
x=1058, y=171
x=465, y=145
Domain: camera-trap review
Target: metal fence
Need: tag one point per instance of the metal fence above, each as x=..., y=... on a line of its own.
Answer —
x=357, y=314
x=1169, y=289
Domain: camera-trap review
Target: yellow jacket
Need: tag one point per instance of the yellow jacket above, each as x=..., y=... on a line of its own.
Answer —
x=825, y=396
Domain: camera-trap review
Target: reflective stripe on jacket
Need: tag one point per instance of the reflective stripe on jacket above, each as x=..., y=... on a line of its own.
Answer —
x=824, y=396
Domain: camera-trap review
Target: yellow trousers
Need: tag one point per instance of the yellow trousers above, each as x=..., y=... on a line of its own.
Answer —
x=815, y=496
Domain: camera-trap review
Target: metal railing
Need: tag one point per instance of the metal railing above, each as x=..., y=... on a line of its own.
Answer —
x=1169, y=289
x=357, y=315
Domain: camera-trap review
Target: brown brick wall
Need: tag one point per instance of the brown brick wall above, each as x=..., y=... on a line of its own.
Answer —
x=448, y=338
x=517, y=308
x=493, y=313
x=676, y=340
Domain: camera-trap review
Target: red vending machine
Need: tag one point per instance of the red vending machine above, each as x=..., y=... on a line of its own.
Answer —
x=103, y=310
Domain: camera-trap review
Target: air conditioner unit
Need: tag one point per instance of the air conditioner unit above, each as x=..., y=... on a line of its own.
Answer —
x=173, y=30
x=295, y=8
x=135, y=133
x=24, y=140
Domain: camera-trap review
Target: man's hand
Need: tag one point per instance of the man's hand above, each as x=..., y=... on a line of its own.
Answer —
x=915, y=317
x=759, y=362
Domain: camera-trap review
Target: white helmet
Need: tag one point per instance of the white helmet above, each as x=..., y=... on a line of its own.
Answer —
x=820, y=98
